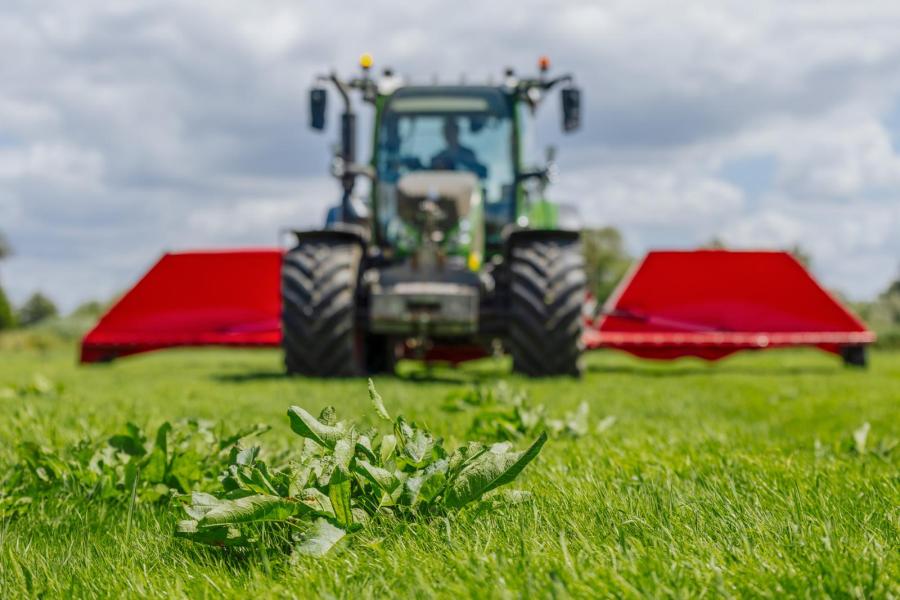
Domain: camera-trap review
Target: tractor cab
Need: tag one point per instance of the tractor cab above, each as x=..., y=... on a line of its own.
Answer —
x=440, y=130
x=483, y=130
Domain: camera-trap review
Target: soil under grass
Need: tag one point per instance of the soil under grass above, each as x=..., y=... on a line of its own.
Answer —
x=734, y=479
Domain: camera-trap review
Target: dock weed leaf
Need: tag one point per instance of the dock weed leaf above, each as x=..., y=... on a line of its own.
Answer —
x=305, y=425
x=377, y=402
x=339, y=494
x=250, y=509
x=488, y=471
x=500, y=412
x=321, y=537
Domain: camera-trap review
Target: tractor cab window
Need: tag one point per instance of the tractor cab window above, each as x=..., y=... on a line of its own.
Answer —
x=432, y=132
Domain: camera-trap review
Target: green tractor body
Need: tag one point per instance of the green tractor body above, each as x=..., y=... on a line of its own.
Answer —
x=454, y=254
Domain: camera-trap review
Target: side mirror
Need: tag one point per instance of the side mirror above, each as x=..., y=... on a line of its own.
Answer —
x=318, y=100
x=571, y=108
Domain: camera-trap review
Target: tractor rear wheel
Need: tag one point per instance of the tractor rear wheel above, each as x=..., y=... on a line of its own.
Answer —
x=318, y=314
x=547, y=288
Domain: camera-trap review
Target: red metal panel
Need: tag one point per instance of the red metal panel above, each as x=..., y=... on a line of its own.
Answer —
x=711, y=303
x=229, y=297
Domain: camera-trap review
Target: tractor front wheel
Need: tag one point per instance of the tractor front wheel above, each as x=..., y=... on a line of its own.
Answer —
x=547, y=291
x=318, y=314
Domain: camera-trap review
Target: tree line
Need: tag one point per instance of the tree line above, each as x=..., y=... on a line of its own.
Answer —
x=34, y=310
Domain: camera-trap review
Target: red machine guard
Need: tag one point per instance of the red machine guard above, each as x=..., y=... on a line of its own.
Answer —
x=711, y=303
x=210, y=298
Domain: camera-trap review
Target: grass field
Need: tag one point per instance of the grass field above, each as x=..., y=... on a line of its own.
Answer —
x=735, y=479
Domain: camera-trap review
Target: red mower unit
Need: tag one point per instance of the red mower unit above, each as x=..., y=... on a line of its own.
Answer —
x=457, y=254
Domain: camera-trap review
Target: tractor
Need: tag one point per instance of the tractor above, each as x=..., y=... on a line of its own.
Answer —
x=456, y=253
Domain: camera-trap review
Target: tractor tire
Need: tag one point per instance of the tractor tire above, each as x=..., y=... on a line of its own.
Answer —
x=547, y=291
x=854, y=356
x=318, y=315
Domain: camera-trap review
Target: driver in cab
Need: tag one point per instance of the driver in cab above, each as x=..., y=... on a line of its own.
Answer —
x=456, y=157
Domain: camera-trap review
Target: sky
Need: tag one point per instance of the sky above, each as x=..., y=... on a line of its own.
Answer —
x=133, y=127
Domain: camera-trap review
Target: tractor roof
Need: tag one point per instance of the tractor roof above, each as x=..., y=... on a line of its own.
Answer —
x=449, y=98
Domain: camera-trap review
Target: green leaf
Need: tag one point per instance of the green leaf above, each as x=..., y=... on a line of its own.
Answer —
x=220, y=535
x=326, y=470
x=131, y=443
x=298, y=475
x=185, y=470
x=377, y=402
x=381, y=478
x=415, y=444
x=317, y=502
x=339, y=494
x=425, y=485
x=388, y=445
x=488, y=471
x=344, y=450
x=328, y=416
x=364, y=446
x=154, y=468
x=464, y=455
x=162, y=437
x=409, y=495
x=201, y=503
x=249, y=509
x=245, y=456
x=260, y=480
x=433, y=480
x=305, y=425
x=320, y=538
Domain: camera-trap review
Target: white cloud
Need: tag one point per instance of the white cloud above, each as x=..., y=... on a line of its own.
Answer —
x=248, y=219
x=58, y=163
x=855, y=249
x=635, y=196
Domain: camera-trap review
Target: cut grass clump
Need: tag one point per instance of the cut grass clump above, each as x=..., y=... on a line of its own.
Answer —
x=341, y=476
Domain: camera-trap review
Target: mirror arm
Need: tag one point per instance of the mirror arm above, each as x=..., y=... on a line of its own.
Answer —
x=541, y=173
x=566, y=78
x=343, y=90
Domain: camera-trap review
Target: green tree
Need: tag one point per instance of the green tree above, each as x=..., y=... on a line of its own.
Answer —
x=894, y=288
x=36, y=309
x=91, y=308
x=7, y=319
x=606, y=260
